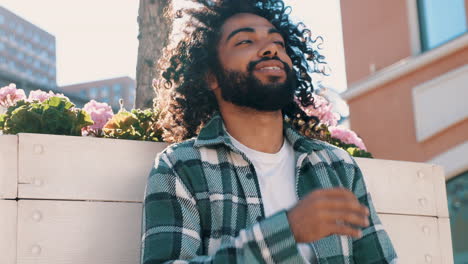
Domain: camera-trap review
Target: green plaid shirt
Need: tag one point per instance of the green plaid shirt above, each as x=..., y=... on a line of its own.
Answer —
x=203, y=205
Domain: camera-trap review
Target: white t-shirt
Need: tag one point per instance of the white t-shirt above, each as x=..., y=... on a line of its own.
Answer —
x=276, y=178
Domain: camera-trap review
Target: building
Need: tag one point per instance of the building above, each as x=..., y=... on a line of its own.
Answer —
x=27, y=53
x=407, y=71
x=28, y=56
x=108, y=91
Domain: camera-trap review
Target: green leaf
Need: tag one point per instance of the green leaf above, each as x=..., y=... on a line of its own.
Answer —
x=53, y=101
x=2, y=121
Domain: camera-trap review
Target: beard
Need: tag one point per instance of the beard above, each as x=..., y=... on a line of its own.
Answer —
x=245, y=90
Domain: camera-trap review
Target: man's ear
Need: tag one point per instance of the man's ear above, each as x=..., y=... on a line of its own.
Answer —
x=212, y=81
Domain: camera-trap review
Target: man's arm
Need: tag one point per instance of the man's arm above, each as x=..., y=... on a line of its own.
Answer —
x=171, y=229
x=374, y=246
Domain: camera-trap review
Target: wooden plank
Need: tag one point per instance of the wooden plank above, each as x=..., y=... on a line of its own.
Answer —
x=417, y=238
x=399, y=187
x=57, y=232
x=445, y=239
x=8, y=224
x=440, y=189
x=53, y=232
x=8, y=166
x=84, y=168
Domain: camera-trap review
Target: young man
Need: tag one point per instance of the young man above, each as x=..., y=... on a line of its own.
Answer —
x=248, y=188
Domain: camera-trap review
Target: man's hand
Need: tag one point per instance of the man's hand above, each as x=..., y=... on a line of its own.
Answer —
x=326, y=212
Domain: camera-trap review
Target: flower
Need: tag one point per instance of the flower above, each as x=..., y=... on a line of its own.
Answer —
x=9, y=95
x=322, y=110
x=347, y=136
x=100, y=113
x=41, y=96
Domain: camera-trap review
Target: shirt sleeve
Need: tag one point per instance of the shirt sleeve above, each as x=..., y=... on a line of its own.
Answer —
x=375, y=245
x=172, y=233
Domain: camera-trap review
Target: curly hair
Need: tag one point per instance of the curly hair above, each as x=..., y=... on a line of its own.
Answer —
x=184, y=98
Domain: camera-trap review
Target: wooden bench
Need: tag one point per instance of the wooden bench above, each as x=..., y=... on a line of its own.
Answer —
x=78, y=200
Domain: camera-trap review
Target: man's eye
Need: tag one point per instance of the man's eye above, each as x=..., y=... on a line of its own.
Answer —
x=281, y=43
x=243, y=42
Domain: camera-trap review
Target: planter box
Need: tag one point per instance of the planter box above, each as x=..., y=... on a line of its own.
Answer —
x=78, y=200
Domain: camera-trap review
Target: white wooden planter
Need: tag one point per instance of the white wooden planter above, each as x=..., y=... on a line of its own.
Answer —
x=78, y=200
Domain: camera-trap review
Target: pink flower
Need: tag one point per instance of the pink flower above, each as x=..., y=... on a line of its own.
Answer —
x=347, y=136
x=9, y=95
x=100, y=113
x=322, y=110
x=41, y=96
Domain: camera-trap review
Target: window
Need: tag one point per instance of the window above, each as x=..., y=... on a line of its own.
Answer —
x=93, y=93
x=2, y=19
x=117, y=88
x=457, y=195
x=105, y=91
x=116, y=93
x=116, y=99
x=83, y=93
x=441, y=21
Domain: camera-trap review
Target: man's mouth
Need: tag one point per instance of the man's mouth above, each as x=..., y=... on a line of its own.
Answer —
x=270, y=67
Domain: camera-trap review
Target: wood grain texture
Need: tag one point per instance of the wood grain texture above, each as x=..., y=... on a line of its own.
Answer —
x=57, y=232
x=84, y=168
x=399, y=187
x=8, y=227
x=8, y=166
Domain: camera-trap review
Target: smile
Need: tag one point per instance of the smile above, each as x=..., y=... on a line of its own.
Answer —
x=271, y=70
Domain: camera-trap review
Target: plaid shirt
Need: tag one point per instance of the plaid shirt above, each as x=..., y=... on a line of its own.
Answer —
x=203, y=205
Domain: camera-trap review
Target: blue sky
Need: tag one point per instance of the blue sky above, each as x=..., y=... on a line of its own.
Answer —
x=97, y=39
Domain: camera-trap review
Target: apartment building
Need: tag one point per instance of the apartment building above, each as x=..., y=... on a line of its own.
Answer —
x=27, y=53
x=407, y=72
x=108, y=91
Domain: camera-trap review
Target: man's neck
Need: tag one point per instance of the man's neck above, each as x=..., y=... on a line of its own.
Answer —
x=261, y=131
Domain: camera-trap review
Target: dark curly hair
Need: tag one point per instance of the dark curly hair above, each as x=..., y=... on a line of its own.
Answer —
x=184, y=98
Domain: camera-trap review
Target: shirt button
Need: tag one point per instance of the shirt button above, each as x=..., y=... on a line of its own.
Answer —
x=249, y=176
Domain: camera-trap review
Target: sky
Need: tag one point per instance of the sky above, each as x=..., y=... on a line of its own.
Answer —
x=97, y=39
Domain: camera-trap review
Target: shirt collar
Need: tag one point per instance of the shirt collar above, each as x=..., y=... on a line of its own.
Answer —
x=214, y=133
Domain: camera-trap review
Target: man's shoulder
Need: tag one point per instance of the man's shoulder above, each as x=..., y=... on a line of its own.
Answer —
x=181, y=151
x=332, y=153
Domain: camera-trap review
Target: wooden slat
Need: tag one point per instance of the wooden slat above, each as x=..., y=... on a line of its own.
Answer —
x=57, y=232
x=84, y=168
x=417, y=238
x=8, y=166
x=440, y=189
x=8, y=220
x=445, y=240
x=76, y=232
x=411, y=188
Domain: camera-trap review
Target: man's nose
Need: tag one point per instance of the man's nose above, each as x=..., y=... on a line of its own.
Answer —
x=269, y=50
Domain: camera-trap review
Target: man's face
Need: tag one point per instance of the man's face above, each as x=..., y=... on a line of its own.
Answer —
x=256, y=70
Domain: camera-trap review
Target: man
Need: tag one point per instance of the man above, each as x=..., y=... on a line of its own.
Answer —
x=248, y=188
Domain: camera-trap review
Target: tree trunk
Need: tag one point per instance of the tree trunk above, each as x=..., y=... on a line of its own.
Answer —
x=154, y=30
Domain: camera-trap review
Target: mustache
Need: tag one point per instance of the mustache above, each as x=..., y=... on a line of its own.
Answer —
x=252, y=64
